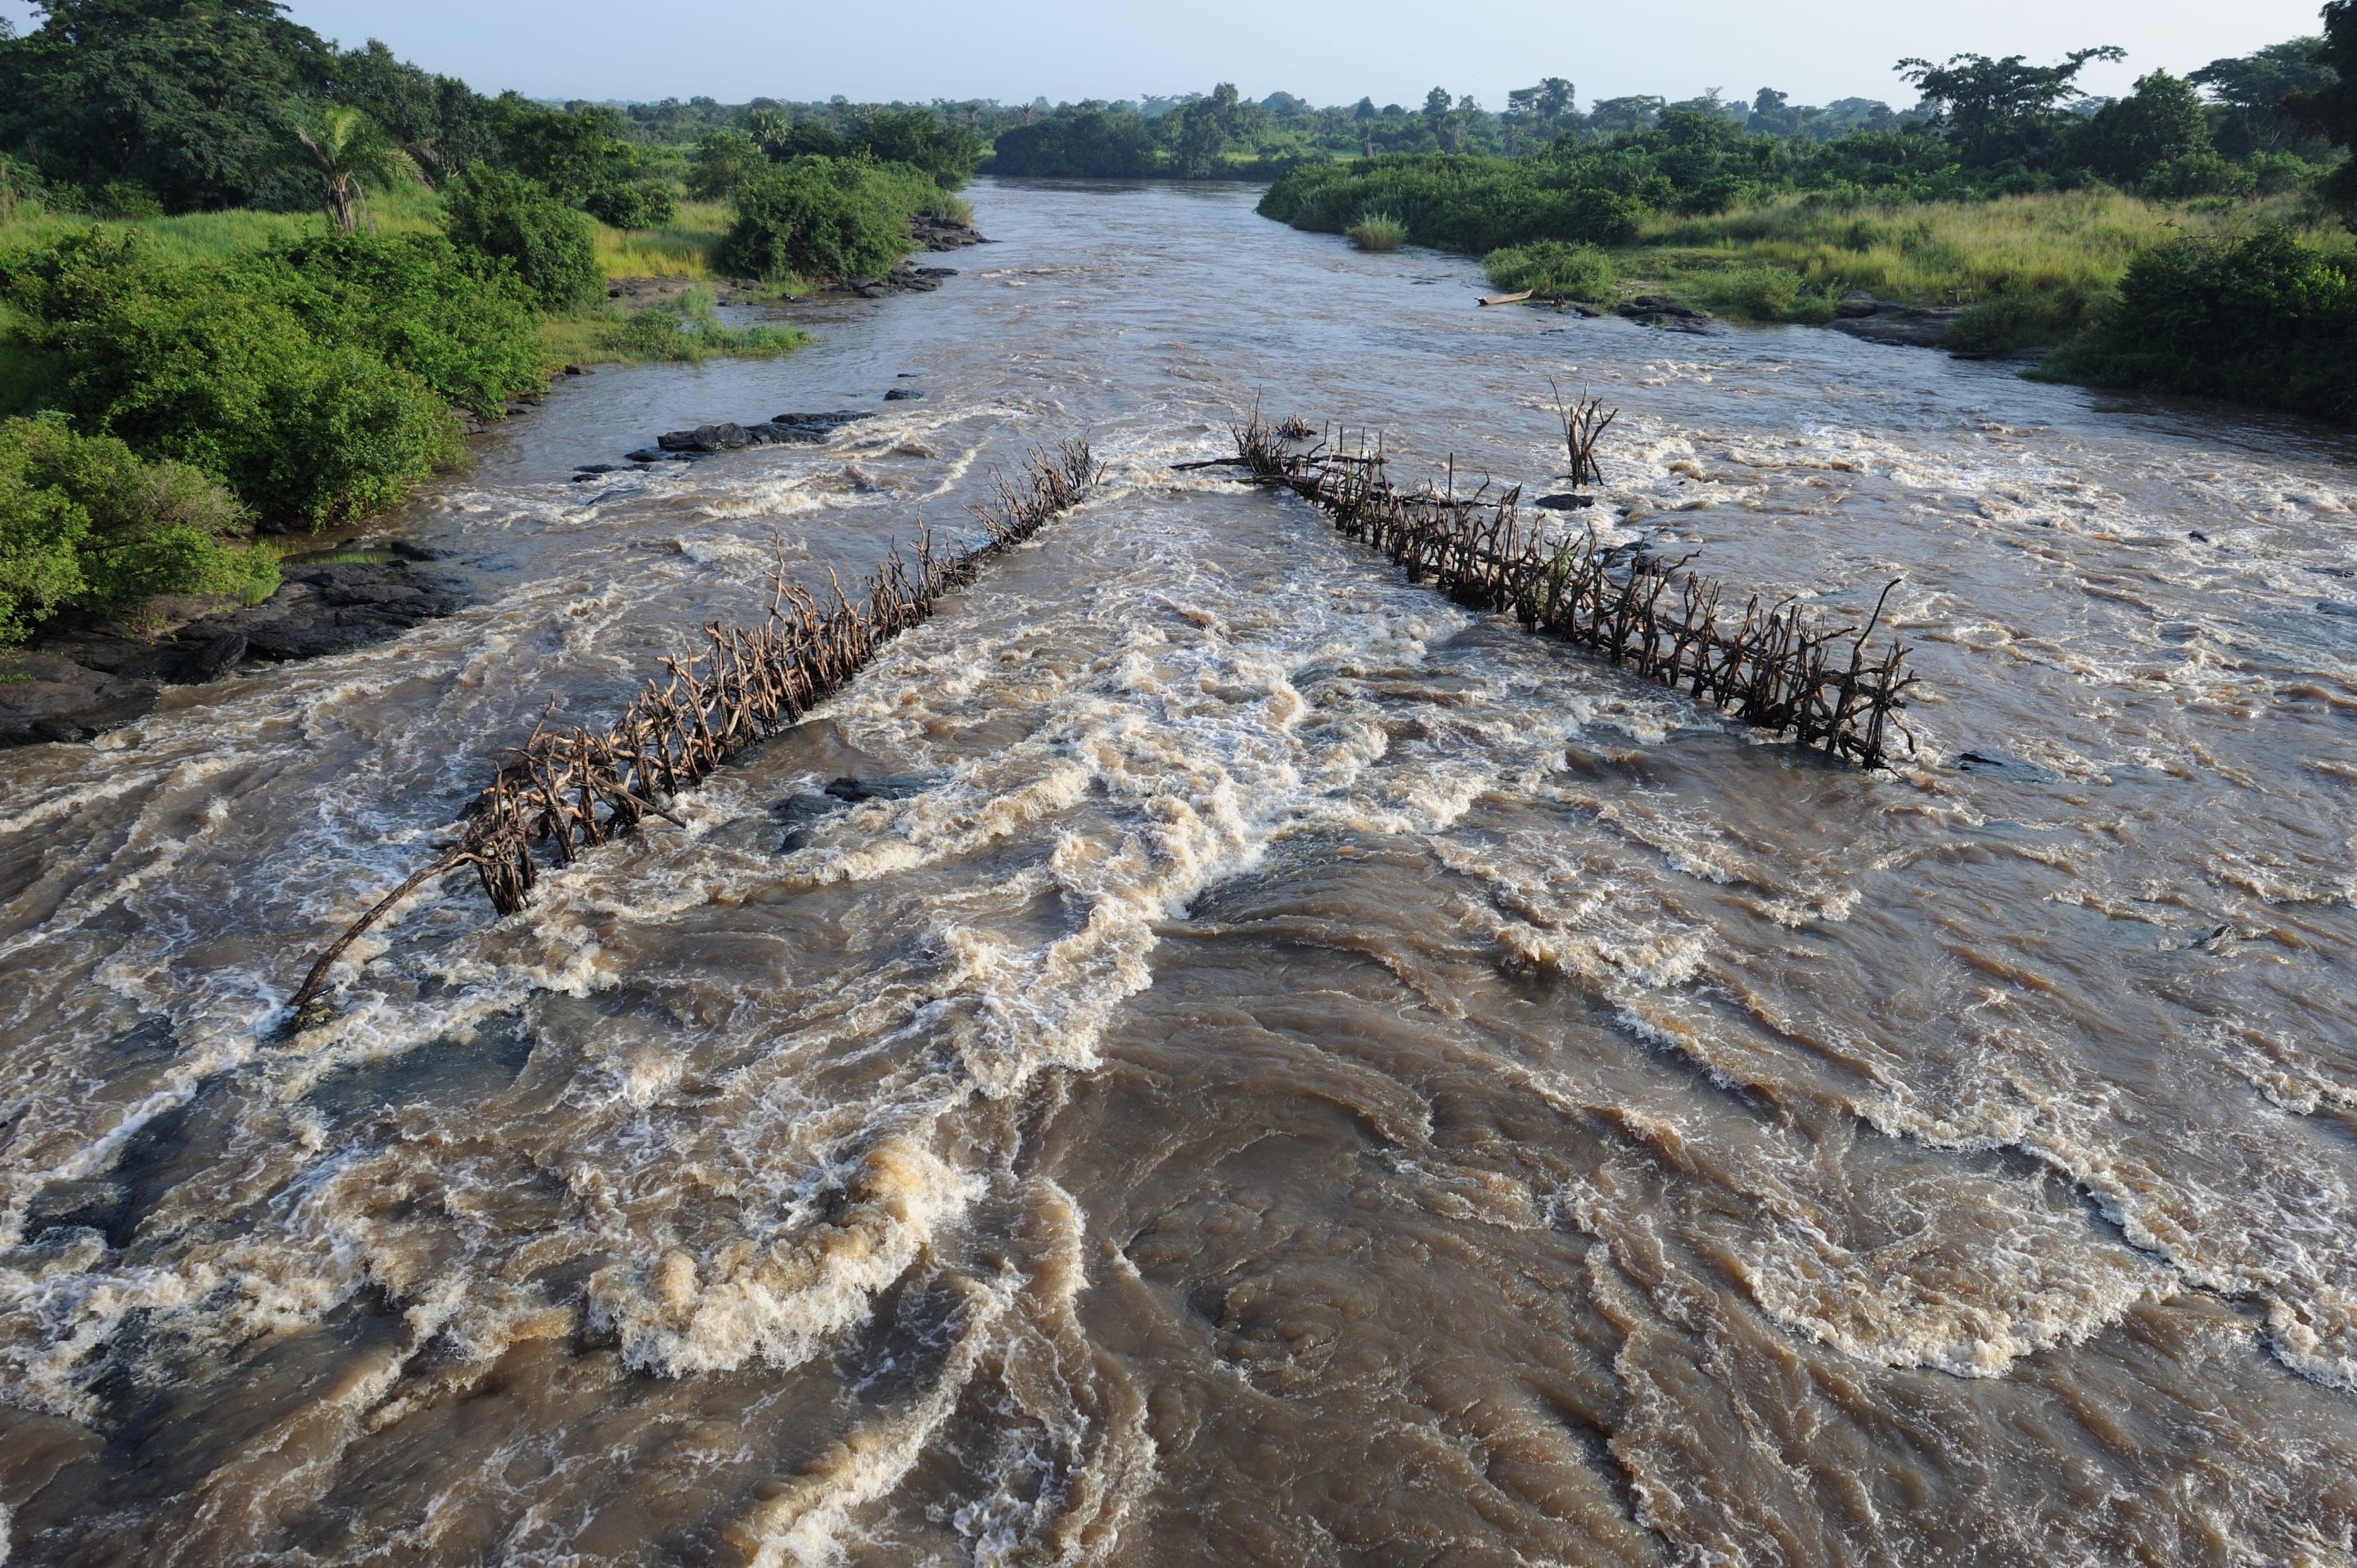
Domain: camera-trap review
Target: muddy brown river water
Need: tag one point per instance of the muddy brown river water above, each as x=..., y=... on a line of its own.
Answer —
x=1302, y=1072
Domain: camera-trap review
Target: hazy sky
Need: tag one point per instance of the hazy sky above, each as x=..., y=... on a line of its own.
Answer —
x=1016, y=49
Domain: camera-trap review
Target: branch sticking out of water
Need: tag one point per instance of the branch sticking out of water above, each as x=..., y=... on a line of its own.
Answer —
x=571, y=790
x=1778, y=667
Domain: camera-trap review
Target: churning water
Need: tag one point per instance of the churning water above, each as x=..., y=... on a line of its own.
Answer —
x=1310, y=1074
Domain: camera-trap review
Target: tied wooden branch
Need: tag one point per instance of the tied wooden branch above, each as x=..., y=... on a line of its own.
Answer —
x=1775, y=667
x=563, y=792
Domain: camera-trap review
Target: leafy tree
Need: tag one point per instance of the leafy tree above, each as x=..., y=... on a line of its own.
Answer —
x=921, y=140
x=722, y=161
x=353, y=155
x=181, y=96
x=502, y=220
x=441, y=123
x=2332, y=110
x=1613, y=114
x=770, y=128
x=1997, y=110
x=2160, y=122
x=85, y=524
x=2253, y=90
x=218, y=367
x=824, y=218
x=1102, y=144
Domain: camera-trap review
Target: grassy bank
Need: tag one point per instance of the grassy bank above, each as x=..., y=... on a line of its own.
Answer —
x=2029, y=270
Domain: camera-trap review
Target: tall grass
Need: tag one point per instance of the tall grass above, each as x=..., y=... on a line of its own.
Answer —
x=1946, y=252
x=1377, y=232
x=215, y=236
x=681, y=248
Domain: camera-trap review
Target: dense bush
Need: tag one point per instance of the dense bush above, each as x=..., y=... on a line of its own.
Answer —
x=634, y=204
x=919, y=139
x=84, y=524
x=1457, y=203
x=504, y=220
x=2268, y=319
x=284, y=373
x=721, y=162
x=1100, y=144
x=689, y=328
x=825, y=218
x=410, y=299
x=1552, y=267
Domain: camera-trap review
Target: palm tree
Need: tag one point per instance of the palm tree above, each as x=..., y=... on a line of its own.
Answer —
x=354, y=155
x=770, y=128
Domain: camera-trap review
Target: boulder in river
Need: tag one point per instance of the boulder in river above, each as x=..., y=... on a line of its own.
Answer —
x=48, y=697
x=724, y=436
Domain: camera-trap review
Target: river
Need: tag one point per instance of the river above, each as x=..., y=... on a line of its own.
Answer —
x=1302, y=1072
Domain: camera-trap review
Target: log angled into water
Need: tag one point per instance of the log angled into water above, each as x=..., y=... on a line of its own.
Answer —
x=567, y=791
x=1778, y=667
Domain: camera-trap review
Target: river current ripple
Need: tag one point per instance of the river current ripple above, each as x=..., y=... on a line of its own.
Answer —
x=1314, y=1075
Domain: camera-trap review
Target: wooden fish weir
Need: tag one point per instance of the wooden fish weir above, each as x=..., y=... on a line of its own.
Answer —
x=567, y=791
x=1777, y=668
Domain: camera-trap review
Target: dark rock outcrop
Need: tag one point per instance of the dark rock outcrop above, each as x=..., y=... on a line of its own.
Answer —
x=1660, y=310
x=47, y=697
x=935, y=233
x=80, y=684
x=1899, y=325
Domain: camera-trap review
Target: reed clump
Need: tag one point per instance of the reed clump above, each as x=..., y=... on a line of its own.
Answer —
x=563, y=792
x=1776, y=667
x=1377, y=232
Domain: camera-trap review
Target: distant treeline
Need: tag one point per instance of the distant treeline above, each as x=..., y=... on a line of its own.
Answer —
x=2263, y=312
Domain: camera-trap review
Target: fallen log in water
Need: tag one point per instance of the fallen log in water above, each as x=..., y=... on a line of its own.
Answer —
x=1778, y=667
x=571, y=790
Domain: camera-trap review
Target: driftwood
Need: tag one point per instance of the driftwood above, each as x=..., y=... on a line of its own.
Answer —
x=563, y=792
x=1777, y=667
x=1506, y=299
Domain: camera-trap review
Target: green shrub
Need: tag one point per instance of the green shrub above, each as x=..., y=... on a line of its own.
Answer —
x=2202, y=173
x=919, y=139
x=1378, y=232
x=634, y=204
x=2031, y=319
x=722, y=161
x=1754, y=293
x=2268, y=319
x=125, y=200
x=1552, y=267
x=689, y=328
x=1460, y=203
x=254, y=376
x=824, y=218
x=409, y=299
x=501, y=218
x=84, y=524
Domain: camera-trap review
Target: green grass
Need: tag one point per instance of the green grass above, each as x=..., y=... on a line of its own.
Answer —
x=682, y=248
x=686, y=329
x=2030, y=267
x=215, y=236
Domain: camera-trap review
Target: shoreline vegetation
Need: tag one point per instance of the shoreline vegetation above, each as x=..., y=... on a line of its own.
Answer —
x=2195, y=236
x=253, y=285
